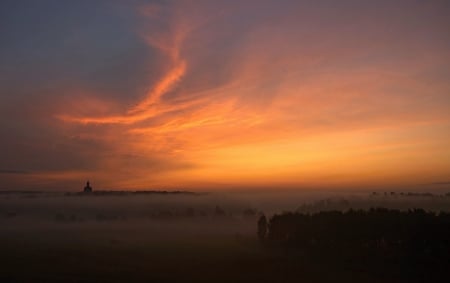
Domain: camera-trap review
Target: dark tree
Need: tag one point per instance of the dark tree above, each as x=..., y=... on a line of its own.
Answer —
x=219, y=211
x=262, y=227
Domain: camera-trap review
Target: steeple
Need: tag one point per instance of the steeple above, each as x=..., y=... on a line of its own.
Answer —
x=88, y=188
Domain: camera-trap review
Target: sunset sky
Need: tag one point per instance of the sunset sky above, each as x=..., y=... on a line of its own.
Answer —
x=212, y=95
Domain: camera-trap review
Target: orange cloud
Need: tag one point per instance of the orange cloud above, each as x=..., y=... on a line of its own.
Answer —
x=277, y=112
x=161, y=87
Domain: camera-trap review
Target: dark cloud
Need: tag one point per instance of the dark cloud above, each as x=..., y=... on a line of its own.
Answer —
x=14, y=172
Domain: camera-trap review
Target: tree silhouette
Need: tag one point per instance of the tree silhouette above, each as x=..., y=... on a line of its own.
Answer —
x=262, y=227
x=412, y=234
x=218, y=211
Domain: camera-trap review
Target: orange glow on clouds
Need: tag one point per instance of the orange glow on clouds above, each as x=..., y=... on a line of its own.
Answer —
x=284, y=115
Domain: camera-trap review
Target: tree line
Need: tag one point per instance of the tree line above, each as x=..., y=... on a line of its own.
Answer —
x=415, y=233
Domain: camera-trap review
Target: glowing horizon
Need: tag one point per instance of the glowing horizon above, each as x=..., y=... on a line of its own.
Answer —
x=234, y=95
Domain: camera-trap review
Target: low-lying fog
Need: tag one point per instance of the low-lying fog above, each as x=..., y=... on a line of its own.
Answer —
x=141, y=217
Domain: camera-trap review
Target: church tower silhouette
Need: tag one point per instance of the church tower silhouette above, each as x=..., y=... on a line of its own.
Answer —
x=88, y=188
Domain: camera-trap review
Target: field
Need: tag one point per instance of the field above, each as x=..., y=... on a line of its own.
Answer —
x=206, y=238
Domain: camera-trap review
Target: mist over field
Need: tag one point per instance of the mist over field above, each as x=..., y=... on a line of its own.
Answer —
x=167, y=237
x=226, y=141
x=123, y=217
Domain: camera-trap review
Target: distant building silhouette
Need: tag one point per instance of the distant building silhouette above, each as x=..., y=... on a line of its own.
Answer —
x=88, y=188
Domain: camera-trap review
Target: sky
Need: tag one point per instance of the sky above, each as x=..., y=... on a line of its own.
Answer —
x=217, y=95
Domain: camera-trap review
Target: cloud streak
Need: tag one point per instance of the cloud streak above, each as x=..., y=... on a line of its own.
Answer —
x=288, y=94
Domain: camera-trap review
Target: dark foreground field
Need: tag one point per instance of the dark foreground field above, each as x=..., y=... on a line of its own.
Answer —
x=192, y=260
x=199, y=259
x=56, y=239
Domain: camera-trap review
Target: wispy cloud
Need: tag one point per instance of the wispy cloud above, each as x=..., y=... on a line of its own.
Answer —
x=286, y=93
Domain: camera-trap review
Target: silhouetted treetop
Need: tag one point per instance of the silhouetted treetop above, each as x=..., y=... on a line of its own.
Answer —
x=414, y=232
